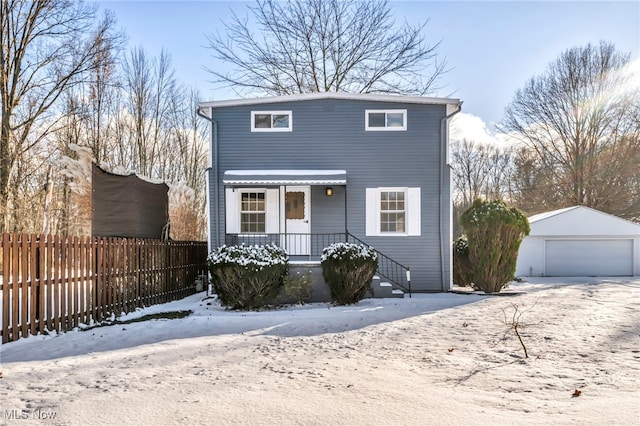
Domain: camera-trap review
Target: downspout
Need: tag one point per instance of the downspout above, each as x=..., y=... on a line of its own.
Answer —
x=208, y=209
x=216, y=183
x=444, y=153
x=346, y=226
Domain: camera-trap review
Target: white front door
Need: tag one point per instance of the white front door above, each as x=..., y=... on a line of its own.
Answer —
x=297, y=208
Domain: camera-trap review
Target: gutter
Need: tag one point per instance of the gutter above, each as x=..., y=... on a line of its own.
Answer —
x=444, y=153
x=216, y=184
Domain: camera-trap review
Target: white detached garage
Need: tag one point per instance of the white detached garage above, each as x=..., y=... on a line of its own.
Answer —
x=579, y=241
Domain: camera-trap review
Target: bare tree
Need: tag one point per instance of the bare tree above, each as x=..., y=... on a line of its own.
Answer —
x=470, y=170
x=531, y=187
x=325, y=46
x=150, y=89
x=478, y=171
x=500, y=171
x=581, y=120
x=188, y=145
x=101, y=97
x=45, y=47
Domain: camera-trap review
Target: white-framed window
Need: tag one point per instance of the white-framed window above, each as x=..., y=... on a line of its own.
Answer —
x=392, y=211
x=271, y=121
x=385, y=119
x=252, y=212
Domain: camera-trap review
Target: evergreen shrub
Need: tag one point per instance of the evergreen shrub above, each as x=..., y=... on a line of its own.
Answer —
x=494, y=233
x=348, y=270
x=461, y=265
x=247, y=277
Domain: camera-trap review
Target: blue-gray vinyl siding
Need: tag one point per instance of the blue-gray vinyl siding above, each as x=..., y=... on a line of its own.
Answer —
x=328, y=214
x=330, y=134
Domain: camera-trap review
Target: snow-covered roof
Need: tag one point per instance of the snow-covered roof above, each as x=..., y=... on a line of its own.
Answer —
x=581, y=221
x=546, y=215
x=331, y=95
x=285, y=177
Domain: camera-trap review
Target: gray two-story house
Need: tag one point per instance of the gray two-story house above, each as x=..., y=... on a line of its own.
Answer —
x=303, y=171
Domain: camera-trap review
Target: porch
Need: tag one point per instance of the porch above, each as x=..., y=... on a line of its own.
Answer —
x=298, y=210
x=307, y=248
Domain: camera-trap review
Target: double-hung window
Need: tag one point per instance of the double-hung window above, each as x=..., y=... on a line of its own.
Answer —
x=385, y=120
x=252, y=212
x=393, y=211
x=271, y=121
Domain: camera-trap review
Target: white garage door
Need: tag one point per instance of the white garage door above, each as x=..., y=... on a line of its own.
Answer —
x=565, y=258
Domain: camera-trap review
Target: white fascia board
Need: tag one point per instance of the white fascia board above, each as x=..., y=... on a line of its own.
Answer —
x=331, y=95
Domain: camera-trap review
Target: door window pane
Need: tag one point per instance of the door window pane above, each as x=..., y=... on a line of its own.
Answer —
x=294, y=205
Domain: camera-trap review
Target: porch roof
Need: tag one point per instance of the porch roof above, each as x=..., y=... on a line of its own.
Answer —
x=285, y=177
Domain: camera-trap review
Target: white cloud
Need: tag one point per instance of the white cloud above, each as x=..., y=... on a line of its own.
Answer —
x=470, y=127
x=473, y=128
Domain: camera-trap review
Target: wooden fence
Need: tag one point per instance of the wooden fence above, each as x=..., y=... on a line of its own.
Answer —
x=55, y=283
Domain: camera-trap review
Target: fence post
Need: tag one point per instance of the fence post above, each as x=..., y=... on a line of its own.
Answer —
x=6, y=263
x=15, y=278
x=34, y=282
x=42, y=322
x=47, y=250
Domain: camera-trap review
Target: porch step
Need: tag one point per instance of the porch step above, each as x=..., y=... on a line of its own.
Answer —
x=381, y=289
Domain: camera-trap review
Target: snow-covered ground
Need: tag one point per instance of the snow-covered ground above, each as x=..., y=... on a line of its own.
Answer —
x=432, y=359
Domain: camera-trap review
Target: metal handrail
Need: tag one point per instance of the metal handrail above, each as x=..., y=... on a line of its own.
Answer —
x=397, y=273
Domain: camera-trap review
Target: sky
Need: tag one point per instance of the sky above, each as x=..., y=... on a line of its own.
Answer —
x=491, y=47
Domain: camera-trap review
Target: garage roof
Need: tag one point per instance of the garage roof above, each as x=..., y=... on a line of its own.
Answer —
x=581, y=221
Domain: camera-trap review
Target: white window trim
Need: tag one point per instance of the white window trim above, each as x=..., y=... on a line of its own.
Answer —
x=385, y=128
x=239, y=208
x=233, y=205
x=412, y=212
x=406, y=212
x=271, y=129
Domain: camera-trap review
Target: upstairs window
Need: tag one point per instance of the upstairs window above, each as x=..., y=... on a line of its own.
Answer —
x=385, y=119
x=271, y=121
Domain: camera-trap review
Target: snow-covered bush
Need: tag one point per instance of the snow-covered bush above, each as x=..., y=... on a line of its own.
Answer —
x=247, y=277
x=494, y=233
x=348, y=269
